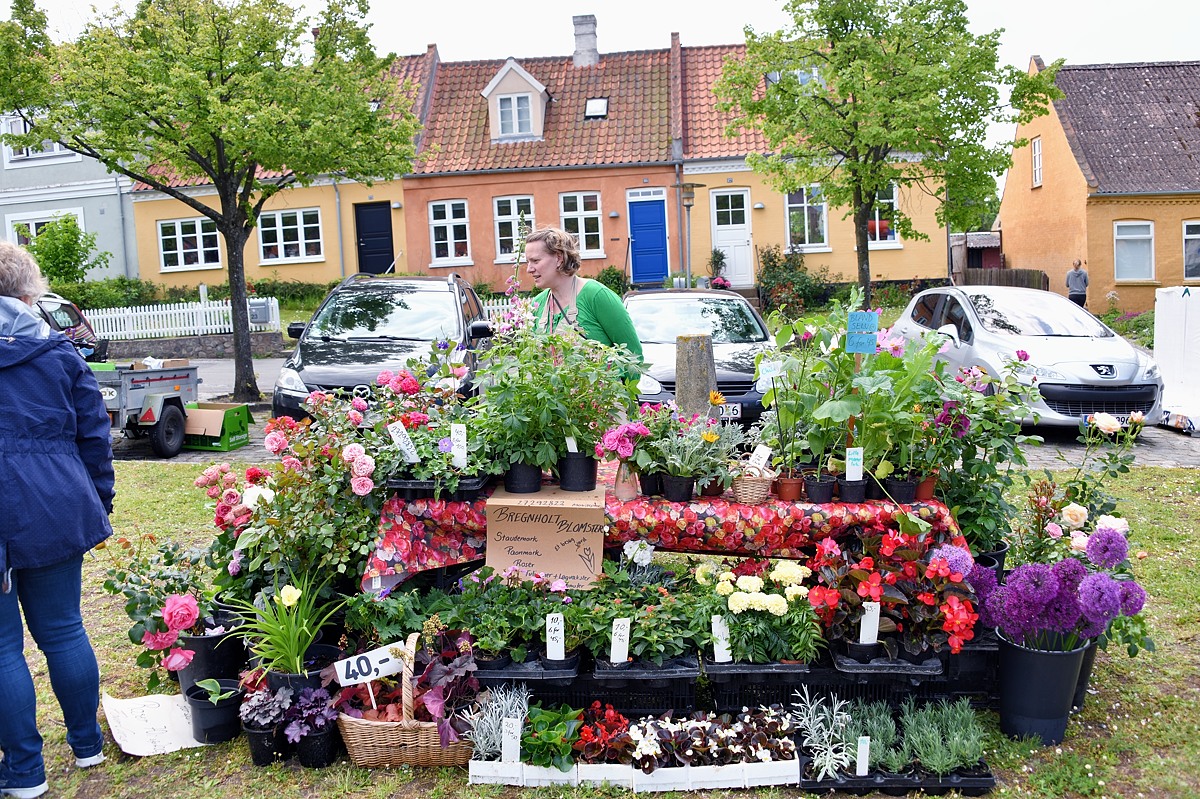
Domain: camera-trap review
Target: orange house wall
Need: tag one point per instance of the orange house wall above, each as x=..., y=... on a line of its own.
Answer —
x=544, y=186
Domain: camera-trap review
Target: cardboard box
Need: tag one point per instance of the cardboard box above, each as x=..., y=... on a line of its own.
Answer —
x=217, y=426
x=169, y=363
x=555, y=532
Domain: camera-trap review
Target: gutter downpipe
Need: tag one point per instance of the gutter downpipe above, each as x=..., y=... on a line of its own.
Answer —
x=337, y=205
x=124, y=232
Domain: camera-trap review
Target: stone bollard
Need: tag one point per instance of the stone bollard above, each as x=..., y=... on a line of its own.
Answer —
x=695, y=374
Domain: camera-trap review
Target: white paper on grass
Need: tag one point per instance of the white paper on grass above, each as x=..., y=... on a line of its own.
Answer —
x=150, y=725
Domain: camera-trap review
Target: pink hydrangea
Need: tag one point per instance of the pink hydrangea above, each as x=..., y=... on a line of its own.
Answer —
x=362, y=486
x=275, y=442
x=358, y=404
x=178, y=659
x=352, y=452
x=160, y=640
x=363, y=466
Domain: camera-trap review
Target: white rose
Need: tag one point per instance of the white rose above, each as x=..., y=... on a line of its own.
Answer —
x=1079, y=542
x=1113, y=523
x=1074, y=516
x=1106, y=422
x=256, y=494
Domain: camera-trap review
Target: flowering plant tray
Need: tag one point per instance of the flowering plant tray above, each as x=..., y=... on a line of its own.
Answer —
x=469, y=488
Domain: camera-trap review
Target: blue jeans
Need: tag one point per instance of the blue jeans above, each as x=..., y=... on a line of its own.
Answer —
x=49, y=597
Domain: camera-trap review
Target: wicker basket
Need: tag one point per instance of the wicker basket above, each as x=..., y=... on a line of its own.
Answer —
x=752, y=486
x=383, y=744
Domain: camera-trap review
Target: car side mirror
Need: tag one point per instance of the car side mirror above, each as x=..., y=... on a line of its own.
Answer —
x=480, y=328
x=296, y=329
x=951, y=332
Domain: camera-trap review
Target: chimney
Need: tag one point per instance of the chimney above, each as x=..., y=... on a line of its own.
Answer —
x=586, y=54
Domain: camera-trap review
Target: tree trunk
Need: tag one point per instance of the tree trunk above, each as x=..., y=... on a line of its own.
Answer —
x=862, y=215
x=245, y=387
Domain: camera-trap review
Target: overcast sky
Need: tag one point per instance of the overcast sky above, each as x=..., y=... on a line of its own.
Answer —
x=1100, y=31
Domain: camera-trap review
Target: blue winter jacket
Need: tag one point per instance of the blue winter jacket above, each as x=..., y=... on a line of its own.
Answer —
x=55, y=452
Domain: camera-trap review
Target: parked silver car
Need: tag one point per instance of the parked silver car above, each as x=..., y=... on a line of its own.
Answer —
x=1079, y=365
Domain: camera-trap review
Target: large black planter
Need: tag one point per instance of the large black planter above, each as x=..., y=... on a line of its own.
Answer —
x=212, y=724
x=577, y=472
x=678, y=489
x=321, y=654
x=999, y=554
x=651, y=484
x=819, y=489
x=903, y=492
x=319, y=749
x=1036, y=690
x=267, y=746
x=852, y=490
x=1085, y=677
x=521, y=478
x=221, y=656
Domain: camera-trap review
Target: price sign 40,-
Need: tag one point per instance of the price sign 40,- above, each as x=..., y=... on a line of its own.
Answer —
x=381, y=662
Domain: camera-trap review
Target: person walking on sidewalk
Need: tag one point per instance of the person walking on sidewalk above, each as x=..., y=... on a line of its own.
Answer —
x=56, y=467
x=1077, y=283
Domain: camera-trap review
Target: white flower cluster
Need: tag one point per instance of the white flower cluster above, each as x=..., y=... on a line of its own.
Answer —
x=646, y=740
x=638, y=551
x=747, y=592
x=749, y=583
x=774, y=604
x=790, y=572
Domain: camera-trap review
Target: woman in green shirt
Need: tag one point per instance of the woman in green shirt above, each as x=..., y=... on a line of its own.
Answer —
x=569, y=300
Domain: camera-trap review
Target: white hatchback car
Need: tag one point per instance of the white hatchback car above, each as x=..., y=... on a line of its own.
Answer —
x=1079, y=365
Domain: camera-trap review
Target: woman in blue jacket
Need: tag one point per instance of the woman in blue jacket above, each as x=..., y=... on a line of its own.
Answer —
x=56, y=467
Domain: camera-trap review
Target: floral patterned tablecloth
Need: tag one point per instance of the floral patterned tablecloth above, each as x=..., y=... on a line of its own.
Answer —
x=418, y=535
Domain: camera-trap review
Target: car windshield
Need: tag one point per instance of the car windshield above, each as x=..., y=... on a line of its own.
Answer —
x=395, y=312
x=662, y=319
x=1035, y=314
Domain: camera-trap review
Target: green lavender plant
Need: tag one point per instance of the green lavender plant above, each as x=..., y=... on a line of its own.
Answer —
x=874, y=719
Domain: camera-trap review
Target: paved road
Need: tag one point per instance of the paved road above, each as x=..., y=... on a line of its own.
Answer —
x=217, y=376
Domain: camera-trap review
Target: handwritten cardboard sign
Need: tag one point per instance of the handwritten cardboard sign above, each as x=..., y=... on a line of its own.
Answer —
x=861, y=329
x=555, y=532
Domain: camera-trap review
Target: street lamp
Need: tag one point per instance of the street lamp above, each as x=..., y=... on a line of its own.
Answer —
x=687, y=195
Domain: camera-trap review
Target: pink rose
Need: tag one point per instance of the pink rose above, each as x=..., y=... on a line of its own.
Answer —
x=558, y=586
x=354, y=417
x=291, y=464
x=352, y=452
x=384, y=377
x=358, y=404
x=230, y=496
x=1053, y=530
x=362, y=486
x=160, y=640
x=178, y=659
x=599, y=452
x=229, y=480
x=625, y=448
x=275, y=442
x=180, y=611
x=1022, y=355
x=458, y=371
x=213, y=491
x=363, y=466
x=1079, y=543
x=235, y=563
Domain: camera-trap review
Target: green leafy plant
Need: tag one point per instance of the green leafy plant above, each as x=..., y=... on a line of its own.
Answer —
x=216, y=691
x=784, y=281
x=549, y=736
x=282, y=628
x=63, y=251
x=615, y=279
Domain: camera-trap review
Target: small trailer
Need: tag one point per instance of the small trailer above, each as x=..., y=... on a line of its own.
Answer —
x=150, y=402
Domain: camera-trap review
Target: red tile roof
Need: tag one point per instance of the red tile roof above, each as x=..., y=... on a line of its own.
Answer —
x=637, y=129
x=703, y=125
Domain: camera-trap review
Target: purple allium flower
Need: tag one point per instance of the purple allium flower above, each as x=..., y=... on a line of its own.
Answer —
x=1033, y=582
x=1101, y=598
x=983, y=580
x=1070, y=573
x=1092, y=629
x=1133, y=598
x=1106, y=548
x=445, y=445
x=960, y=559
x=1062, y=613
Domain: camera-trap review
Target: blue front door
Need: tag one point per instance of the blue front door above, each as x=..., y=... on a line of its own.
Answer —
x=648, y=240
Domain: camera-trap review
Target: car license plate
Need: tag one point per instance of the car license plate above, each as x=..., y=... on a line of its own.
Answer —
x=1123, y=418
x=731, y=410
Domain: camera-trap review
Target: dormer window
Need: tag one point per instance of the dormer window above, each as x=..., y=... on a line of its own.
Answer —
x=596, y=108
x=516, y=118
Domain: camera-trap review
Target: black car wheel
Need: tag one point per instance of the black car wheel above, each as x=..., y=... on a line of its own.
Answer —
x=166, y=437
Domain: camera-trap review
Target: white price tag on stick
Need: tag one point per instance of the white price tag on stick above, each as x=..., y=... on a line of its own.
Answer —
x=854, y=463
x=369, y=666
x=510, y=740
x=556, y=644
x=399, y=434
x=458, y=445
x=720, y=631
x=868, y=630
x=769, y=369
x=863, y=761
x=619, y=651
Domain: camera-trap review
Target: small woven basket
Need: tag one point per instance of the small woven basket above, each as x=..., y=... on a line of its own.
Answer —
x=384, y=744
x=752, y=486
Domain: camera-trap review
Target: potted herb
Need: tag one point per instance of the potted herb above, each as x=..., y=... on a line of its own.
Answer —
x=262, y=713
x=310, y=724
x=214, y=709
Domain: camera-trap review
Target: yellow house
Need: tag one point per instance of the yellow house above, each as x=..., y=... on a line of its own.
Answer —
x=737, y=211
x=1110, y=176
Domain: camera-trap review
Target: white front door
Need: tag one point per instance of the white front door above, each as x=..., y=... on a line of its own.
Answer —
x=731, y=234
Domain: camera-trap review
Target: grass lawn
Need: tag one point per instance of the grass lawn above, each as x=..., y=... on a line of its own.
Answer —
x=1139, y=734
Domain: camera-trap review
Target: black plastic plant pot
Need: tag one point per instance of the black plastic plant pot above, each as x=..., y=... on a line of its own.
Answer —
x=1036, y=690
x=678, y=489
x=221, y=656
x=577, y=472
x=874, y=489
x=521, y=478
x=267, y=746
x=999, y=553
x=903, y=492
x=862, y=653
x=571, y=661
x=1085, y=677
x=319, y=749
x=212, y=724
x=319, y=656
x=651, y=484
x=852, y=490
x=819, y=489
x=495, y=663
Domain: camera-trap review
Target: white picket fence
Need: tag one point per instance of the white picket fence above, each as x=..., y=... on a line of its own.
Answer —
x=176, y=319
x=493, y=308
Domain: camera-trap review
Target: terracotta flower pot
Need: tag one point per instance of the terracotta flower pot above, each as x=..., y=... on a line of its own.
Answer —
x=790, y=489
x=926, y=487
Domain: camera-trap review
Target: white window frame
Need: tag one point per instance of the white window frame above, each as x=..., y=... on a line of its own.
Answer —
x=21, y=158
x=1191, y=237
x=513, y=218
x=32, y=218
x=788, y=207
x=515, y=127
x=1117, y=237
x=886, y=244
x=449, y=222
x=1035, y=155
x=579, y=217
x=302, y=240
x=201, y=221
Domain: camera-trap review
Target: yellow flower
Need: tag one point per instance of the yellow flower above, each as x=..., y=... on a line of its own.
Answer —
x=709, y=436
x=716, y=398
x=288, y=595
x=724, y=589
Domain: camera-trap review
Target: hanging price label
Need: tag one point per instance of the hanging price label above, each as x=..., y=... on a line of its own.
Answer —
x=556, y=637
x=720, y=632
x=571, y=445
x=369, y=666
x=761, y=456
x=458, y=445
x=510, y=740
x=863, y=761
x=619, y=651
x=770, y=369
x=868, y=630
x=854, y=463
x=399, y=434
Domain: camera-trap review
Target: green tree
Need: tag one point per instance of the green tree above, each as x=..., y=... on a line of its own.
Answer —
x=861, y=95
x=63, y=250
x=245, y=95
